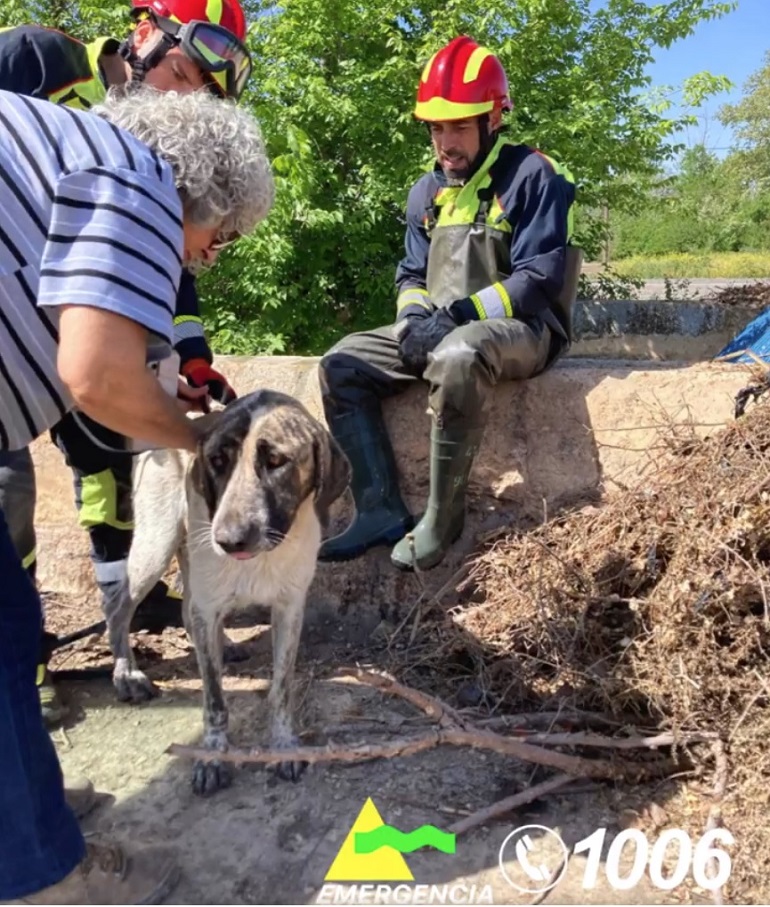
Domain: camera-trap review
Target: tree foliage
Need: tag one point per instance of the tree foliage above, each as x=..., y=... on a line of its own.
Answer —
x=333, y=86
x=711, y=205
x=750, y=119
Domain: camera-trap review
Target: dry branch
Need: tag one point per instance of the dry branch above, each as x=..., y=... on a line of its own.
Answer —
x=453, y=730
x=503, y=807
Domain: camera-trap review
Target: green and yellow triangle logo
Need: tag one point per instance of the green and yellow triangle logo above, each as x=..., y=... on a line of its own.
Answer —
x=383, y=865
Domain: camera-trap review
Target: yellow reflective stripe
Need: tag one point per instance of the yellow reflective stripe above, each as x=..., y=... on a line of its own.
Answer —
x=507, y=305
x=412, y=296
x=181, y=319
x=493, y=302
x=478, y=306
x=214, y=11
x=99, y=501
x=30, y=559
x=440, y=109
x=88, y=91
x=460, y=205
x=473, y=66
x=427, y=68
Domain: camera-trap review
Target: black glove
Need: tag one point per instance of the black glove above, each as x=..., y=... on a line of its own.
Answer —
x=422, y=338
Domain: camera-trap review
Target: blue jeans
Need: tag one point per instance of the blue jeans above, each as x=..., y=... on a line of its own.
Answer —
x=40, y=841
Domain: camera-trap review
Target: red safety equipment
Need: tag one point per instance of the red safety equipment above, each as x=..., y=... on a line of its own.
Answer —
x=227, y=13
x=462, y=80
x=210, y=32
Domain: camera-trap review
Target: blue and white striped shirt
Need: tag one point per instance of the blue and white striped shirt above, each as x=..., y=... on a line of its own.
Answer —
x=89, y=215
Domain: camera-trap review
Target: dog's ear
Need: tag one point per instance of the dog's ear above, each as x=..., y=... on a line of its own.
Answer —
x=202, y=427
x=332, y=473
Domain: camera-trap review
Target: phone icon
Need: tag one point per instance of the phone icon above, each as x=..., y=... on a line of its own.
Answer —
x=523, y=847
x=529, y=873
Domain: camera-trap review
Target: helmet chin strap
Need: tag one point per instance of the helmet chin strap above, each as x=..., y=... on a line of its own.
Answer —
x=141, y=64
x=487, y=139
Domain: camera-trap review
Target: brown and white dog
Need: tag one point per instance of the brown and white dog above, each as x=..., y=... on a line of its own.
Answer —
x=244, y=517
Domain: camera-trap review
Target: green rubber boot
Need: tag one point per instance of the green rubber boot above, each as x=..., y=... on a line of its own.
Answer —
x=452, y=451
x=381, y=516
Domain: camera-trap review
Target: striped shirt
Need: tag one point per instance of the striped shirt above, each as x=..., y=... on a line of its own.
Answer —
x=88, y=216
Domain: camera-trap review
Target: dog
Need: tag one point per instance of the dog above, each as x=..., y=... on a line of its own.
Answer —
x=244, y=517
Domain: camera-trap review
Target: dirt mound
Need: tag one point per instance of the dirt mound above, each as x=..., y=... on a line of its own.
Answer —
x=752, y=295
x=654, y=608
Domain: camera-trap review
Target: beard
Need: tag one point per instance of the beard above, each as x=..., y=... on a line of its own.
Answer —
x=457, y=172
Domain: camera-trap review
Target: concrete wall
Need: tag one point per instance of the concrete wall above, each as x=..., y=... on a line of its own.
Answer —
x=580, y=430
x=656, y=329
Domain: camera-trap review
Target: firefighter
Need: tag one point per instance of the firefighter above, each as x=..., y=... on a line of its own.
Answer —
x=481, y=292
x=180, y=45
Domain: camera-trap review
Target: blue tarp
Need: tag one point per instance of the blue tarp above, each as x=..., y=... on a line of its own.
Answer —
x=755, y=337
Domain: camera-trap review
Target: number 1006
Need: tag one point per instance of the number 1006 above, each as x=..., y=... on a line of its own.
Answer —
x=710, y=865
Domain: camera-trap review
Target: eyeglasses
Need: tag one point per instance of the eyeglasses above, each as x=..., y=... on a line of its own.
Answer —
x=222, y=242
x=215, y=50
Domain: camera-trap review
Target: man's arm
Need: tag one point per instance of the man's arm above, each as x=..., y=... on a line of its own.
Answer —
x=537, y=204
x=412, y=270
x=111, y=268
x=101, y=360
x=189, y=337
x=195, y=356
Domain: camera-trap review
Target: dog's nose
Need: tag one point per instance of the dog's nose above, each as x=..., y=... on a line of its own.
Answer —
x=234, y=545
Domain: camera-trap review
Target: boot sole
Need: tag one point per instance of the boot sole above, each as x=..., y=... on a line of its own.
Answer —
x=390, y=538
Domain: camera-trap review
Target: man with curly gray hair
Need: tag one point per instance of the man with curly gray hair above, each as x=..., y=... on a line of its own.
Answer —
x=98, y=214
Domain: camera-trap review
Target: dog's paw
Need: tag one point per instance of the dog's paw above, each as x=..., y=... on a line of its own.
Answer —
x=209, y=777
x=235, y=652
x=134, y=686
x=290, y=771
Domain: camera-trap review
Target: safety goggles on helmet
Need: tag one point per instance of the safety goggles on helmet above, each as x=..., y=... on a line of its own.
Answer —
x=215, y=50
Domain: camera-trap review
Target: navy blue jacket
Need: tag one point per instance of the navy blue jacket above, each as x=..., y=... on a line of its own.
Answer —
x=536, y=195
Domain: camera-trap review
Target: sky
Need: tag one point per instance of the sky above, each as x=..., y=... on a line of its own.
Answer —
x=734, y=46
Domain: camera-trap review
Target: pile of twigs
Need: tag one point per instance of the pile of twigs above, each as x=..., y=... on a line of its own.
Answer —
x=654, y=609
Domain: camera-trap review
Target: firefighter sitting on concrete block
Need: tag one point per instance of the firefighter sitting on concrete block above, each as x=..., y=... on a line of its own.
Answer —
x=484, y=294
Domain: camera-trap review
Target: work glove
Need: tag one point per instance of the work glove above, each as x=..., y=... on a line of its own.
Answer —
x=199, y=373
x=422, y=337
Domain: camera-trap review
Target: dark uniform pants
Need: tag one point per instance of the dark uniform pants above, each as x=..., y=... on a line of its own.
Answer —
x=103, y=497
x=366, y=367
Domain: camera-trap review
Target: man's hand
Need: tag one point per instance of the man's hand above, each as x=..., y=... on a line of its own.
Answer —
x=422, y=338
x=189, y=399
x=102, y=361
x=200, y=374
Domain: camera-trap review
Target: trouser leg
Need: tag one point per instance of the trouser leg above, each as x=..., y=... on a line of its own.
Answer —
x=103, y=485
x=356, y=375
x=461, y=373
x=103, y=498
x=17, y=499
x=40, y=842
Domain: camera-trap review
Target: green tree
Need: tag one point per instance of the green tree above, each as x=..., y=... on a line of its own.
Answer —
x=334, y=85
x=750, y=119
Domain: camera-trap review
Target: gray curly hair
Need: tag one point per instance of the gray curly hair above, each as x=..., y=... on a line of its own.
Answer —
x=214, y=148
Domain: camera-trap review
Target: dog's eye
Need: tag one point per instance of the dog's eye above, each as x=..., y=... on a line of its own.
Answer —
x=218, y=462
x=275, y=459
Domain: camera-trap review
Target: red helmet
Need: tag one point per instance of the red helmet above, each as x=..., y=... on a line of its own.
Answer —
x=227, y=13
x=461, y=80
